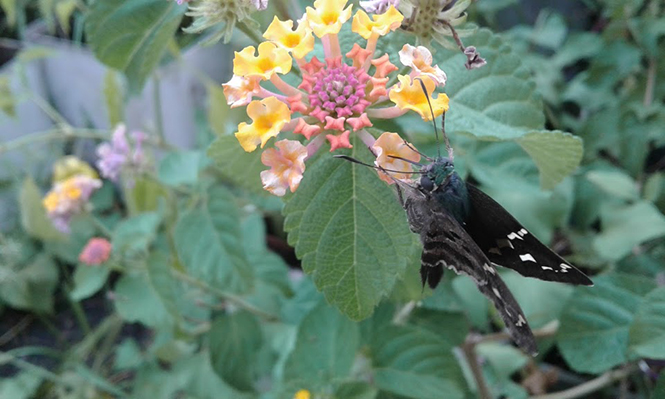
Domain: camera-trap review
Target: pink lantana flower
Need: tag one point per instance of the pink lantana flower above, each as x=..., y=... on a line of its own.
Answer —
x=95, y=252
x=334, y=98
x=388, y=148
x=287, y=164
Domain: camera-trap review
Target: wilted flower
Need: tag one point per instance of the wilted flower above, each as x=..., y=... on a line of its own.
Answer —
x=68, y=198
x=208, y=13
x=336, y=97
x=388, y=148
x=96, y=252
x=116, y=155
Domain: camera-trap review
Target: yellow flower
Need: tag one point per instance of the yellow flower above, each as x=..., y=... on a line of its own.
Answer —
x=299, y=42
x=71, y=166
x=409, y=95
x=287, y=164
x=328, y=16
x=51, y=201
x=239, y=90
x=381, y=25
x=269, y=116
x=271, y=60
x=390, y=145
x=302, y=394
x=420, y=60
x=70, y=189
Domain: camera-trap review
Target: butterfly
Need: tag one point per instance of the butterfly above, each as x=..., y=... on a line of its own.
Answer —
x=463, y=229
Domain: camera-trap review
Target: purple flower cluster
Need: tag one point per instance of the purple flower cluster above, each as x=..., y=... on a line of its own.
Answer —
x=117, y=154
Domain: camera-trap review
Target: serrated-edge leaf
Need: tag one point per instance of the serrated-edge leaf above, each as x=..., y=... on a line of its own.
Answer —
x=595, y=322
x=556, y=154
x=647, y=333
x=349, y=231
x=240, y=167
x=133, y=35
x=208, y=242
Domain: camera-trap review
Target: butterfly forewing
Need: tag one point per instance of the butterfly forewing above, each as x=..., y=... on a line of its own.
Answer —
x=507, y=243
x=447, y=244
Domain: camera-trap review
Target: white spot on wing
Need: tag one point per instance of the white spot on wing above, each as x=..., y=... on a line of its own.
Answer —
x=527, y=257
x=520, y=321
x=503, y=243
x=513, y=236
x=489, y=268
x=523, y=232
x=565, y=266
x=546, y=268
x=496, y=292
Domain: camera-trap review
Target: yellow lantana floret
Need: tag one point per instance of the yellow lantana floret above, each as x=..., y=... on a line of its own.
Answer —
x=70, y=166
x=51, y=201
x=271, y=60
x=269, y=117
x=328, y=16
x=408, y=95
x=299, y=42
x=302, y=394
x=389, y=147
x=379, y=25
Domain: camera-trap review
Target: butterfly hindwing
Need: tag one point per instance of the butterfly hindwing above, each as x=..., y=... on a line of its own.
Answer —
x=447, y=244
x=507, y=243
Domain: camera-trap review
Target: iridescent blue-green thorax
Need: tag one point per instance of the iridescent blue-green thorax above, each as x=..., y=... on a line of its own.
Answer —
x=447, y=187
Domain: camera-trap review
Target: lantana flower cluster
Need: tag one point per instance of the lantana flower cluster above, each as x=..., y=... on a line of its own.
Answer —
x=118, y=155
x=335, y=97
x=73, y=184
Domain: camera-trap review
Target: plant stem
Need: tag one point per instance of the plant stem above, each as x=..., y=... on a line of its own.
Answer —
x=651, y=83
x=16, y=329
x=157, y=104
x=236, y=300
x=100, y=226
x=469, y=350
x=252, y=33
x=586, y=388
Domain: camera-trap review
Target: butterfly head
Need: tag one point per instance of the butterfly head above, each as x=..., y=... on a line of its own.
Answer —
x=436, y=174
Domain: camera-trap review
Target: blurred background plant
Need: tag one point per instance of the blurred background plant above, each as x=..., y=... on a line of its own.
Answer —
x=175, y=276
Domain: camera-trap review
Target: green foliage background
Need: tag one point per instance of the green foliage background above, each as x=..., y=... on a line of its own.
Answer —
x=565, y=127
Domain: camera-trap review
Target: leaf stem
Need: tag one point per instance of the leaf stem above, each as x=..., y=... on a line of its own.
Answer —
x=235, y=299
x=651, y=82
x=586, y=388
x=157, y=107
x=469, y=350
x=251, y=32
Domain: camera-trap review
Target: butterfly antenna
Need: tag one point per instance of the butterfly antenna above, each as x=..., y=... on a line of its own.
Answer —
x=406, y=160
x=415, y=150
x=381, y=168
x=443, y=129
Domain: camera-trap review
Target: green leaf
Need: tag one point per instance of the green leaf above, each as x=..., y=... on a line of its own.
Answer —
x=33, y=215
x=209, y=243
x=132, y=36
x=127, y=355
x=556, y=154
x=23, y=385
x=7, y=101
x=325, y=348
x=240, y=167
x=627, y=226
x=88, y=280
x=180, y=167
x=30, y=286
x=63, y=11
x=595, y=322
x=9, y=7
x=235, y=340
x=415, y=363
x=218, y=110
x=134, y=235
x=498, y=100
x=614, y=182
x=137, y=301
x=659, y=389
x=350, y=232
x=355, y=390
x=113, y=94
x=541, y=301
x=503, y=359
x=647, y=334
x=145, y=196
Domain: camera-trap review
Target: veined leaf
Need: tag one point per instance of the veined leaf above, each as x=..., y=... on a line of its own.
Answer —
x=132, y=36
x=595, y=322
x=208, y=242
x=556, y=154
x=236, y=165
x=350, y=232
x=647, y=334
